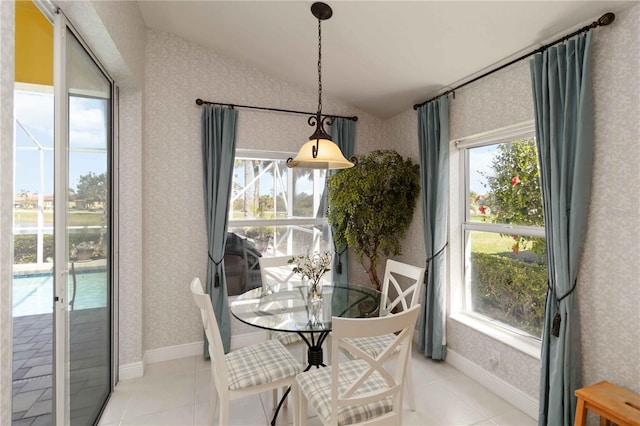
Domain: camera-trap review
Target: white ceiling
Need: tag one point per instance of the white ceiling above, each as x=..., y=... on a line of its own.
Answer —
x=379, y=56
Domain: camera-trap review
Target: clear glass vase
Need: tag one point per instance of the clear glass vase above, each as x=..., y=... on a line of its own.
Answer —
x=314, y=290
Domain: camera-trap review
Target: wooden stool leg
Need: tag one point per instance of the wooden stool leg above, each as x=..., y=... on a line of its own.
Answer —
x=581, y=413
x=604, y=421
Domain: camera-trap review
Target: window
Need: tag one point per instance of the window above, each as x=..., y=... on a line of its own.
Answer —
x=504, y=261
x=273, y=211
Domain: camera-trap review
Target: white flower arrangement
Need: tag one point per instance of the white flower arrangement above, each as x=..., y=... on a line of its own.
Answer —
x=312, y=266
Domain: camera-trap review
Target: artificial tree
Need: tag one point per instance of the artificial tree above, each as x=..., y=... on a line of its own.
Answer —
x=371, y=206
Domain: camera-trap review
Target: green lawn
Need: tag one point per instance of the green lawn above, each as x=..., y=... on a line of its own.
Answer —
x=76, y=218
x=490, y=243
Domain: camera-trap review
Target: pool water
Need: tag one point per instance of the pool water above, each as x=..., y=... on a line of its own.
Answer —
x=33, y=294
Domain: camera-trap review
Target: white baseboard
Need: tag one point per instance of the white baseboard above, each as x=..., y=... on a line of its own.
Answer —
x=504, y=390
x=196, y=348
x=131, y=370
x=173, y=352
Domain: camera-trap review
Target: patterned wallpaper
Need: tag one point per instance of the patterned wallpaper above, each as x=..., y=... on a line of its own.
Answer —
x=499, y=100
x=609, y=295
x=178, y=72
x=7, y=29
x=130, y=241
x=401, y=134
x=123, y=21
x=496, y=101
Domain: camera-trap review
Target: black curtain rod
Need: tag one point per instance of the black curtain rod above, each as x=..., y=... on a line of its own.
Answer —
x=605, y=19
x=290, y=111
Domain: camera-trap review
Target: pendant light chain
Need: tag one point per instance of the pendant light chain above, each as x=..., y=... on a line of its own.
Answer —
x=319, y=66
x=311, y=156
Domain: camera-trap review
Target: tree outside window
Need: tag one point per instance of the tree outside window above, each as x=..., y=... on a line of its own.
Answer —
x=506, y=273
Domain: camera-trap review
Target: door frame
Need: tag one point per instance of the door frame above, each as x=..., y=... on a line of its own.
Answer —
x=61, y=388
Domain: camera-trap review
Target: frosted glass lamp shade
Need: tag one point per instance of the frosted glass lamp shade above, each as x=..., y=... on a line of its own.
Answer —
x=329, y=156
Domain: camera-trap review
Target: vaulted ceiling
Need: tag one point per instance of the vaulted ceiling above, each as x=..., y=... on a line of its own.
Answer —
x=379, y=56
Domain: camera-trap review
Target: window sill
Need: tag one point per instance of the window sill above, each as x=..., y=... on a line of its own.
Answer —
x=526, y=344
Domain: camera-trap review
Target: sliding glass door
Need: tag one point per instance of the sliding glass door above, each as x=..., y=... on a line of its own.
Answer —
x=83, y=252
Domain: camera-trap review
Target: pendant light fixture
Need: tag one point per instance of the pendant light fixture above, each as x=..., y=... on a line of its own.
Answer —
x=320, y=152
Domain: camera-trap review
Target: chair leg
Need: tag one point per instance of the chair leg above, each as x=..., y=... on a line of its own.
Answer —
x=275, y=398
x=286, y=401
x=224, y=410
x=302, y=407
x=213, y=402
x=296, y=408
x=409, y=382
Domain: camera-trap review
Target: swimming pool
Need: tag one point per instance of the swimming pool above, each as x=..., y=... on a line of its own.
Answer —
x=33, y=294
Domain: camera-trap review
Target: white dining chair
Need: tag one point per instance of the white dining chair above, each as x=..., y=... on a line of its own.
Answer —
x=411, y=278
x=277, y=271
x=365, y=390
x=247, y=371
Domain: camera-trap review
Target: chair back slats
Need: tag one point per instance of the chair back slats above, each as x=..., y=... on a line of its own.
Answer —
x=375, y=364
x=406, y=298
x=277, y=269
x=389, y=380
x=211, y=330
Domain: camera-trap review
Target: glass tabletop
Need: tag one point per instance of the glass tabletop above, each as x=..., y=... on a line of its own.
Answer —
x=286, y=308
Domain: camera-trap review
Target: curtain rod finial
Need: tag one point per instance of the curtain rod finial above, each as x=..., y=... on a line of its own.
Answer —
x=607, y=18
x=199, y=101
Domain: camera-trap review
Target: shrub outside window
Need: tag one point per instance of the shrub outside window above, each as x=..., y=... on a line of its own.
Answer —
x=505, y=271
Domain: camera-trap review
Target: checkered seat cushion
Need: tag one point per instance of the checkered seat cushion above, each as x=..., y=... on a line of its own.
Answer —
x=316, y=385
x=261, y=363
x=286, y=338
x=372, y=346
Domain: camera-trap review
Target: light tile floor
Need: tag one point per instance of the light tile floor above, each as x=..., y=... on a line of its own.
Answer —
x=177, y=392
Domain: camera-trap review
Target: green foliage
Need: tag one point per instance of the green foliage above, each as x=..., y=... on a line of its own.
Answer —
x=514, y=196
x=371, y=205
x=509, y=290
x=24, y=246
x=92, y=187
x=262, y=235
x=303, y=205
x=265, y=206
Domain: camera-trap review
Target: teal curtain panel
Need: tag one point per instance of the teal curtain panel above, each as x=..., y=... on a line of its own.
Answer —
x=561, y=82
x=433, y=139
x=218, y=156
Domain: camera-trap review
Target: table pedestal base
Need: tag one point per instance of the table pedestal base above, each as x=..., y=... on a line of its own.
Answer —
x=315, y=358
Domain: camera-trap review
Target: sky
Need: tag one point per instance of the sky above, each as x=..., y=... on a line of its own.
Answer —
x=34, y=110
x=480, y=162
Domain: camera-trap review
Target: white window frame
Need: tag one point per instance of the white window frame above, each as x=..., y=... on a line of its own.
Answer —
x=461, y=226
x=291, y=221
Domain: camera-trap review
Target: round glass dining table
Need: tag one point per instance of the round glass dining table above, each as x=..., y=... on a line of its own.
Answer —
x=286, y=308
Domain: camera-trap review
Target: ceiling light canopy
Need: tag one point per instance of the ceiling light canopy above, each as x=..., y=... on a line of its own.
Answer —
x=320, y=152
